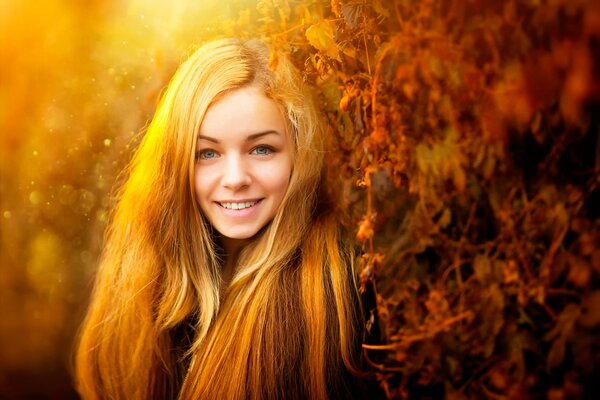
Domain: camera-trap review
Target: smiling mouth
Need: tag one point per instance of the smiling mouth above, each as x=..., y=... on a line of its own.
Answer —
x=239, y=205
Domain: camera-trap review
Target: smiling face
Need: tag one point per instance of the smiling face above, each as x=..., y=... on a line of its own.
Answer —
x=243, y=163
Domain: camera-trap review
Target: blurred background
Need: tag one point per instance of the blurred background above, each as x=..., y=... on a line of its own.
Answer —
x=78, y=81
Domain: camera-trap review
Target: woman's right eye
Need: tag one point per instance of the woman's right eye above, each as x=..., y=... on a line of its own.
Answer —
x=206, y=154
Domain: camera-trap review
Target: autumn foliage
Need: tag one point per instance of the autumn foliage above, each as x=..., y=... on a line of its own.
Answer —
x=466, y=135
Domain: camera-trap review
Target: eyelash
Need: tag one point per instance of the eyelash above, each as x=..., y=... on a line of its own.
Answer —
x=270, y=150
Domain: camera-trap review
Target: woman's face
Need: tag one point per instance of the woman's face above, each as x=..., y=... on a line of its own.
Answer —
x=243, y=163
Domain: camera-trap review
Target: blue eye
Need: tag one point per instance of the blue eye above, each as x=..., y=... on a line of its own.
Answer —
x=262, y=150
x=206, y=154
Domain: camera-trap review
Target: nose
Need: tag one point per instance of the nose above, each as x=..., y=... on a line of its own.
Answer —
x=235, y=175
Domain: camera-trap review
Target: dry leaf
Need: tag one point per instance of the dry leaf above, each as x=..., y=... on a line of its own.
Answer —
x=320, y=36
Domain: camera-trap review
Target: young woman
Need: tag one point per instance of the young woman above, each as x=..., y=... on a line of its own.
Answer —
x=224, y=274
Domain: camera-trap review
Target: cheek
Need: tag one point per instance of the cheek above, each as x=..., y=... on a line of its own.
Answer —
x=201, y=183
x=276, y=179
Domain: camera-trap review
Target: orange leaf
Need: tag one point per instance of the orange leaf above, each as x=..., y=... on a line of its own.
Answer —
x=344, y=102
x=365, y=229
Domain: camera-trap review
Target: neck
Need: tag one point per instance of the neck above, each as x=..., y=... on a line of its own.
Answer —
x=232, y=249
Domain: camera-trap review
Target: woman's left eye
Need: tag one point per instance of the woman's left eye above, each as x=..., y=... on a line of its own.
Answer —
x=262, y=150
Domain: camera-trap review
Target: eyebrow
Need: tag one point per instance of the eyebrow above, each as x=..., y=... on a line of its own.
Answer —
x=250, y=138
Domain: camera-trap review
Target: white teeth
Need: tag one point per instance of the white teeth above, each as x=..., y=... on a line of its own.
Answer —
x=238, y=206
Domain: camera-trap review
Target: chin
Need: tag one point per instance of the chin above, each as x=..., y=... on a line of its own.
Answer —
x=239, y=235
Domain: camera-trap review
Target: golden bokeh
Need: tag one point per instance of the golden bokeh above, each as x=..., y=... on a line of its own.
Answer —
x=79, y=80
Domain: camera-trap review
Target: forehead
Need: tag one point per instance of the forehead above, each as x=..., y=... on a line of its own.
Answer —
x=242, y=112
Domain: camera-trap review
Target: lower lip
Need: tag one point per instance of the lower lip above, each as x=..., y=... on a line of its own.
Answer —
x=230, y=212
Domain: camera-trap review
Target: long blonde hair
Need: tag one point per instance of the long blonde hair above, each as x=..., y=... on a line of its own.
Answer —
x=158, y=326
